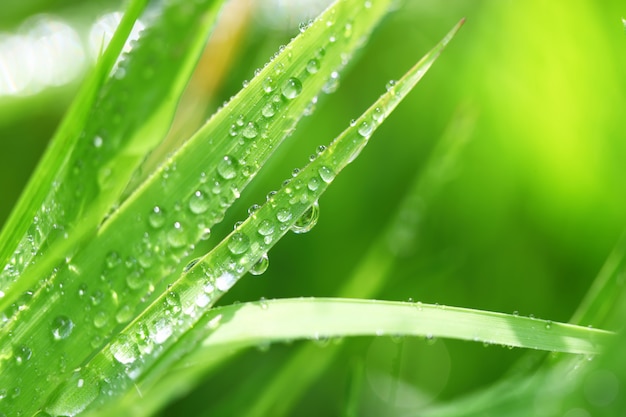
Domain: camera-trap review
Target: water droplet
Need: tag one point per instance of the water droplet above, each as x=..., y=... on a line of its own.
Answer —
x=266, y=228
x=347, y=30
x=96, y=297
x=100, y=319
x=308, y=220
x=124, y=314
x=261, y=265
x=269, y=110
x=238, y=243
x=268, y=85
x=176, y=235
x=390, y=85
x=112, y=259
x=377, y=114
x=332, y=84
x=161, y=331
x=548, y=325
x=313, y=66
x=326, y=174
x=156, y=217
x=365, y=129
x=283, y=215
x=245, y=83
x=250, y=131
x=313, y=184
x=135, y=280
x=291, y=88
x=225, y=281
x=124, y=350
x=22, y=354
x=198, y=203
x=80, y=390
x=97, y=141
x=227, y=168
x=62, y=327
x=191, y=265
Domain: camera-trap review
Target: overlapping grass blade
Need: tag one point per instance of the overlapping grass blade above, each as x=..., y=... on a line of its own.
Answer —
x=141, y=361
x=99, y=146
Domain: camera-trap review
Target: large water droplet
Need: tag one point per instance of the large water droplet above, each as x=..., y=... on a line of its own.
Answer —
x=238, y=243
x=308, y=220
x=291, y=88
x=269, y=110
x=62, y=327
x=156, y=217
x=250, y=131
x=80, y=390
x=227, y=168
x=283, y=215
x=326, y=174
x=198, y=203
x=266, y=228
x=261, y=265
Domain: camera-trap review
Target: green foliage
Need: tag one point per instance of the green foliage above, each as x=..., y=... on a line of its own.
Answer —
x=119, y=246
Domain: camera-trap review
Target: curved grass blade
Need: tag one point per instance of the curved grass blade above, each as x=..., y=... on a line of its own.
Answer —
x=150, y=344
x=108, y=143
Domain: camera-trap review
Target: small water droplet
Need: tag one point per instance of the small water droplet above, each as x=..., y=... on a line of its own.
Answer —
x=161, y=331
x=238, y=243
x=135, y=280
x=62, y=327
x=268, y=85
x=227, y=168
x=176, y=235
x=97, y=141
x=112, y=259
x=377, y=114
x=261, y=265
x=100, y=319
x=390, y=85
x=250, y=131
x=253, y=209
x=326, y=174
x=313, y=184
x=291, y=88
x=124, y=314
x=347, y=30
x=266, y=228
x=156, y=217
x=283, y=215
x=365, y=129
x=332, y=84
x=124, y=350
x=269, y=110
x=198, y=203
x=308, y=220
x=313, y=66
x=22, y=354
x=548, y=325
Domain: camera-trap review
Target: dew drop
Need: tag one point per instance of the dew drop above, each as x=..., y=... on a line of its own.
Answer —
x=268, y=85
x=124, y=314
x=198, y=203
x=227, y=168
x=124, y=350
x=365, y=129
x=261, y=265
x=225, y=281
x=191, y=265
x=135, y=280
x=266, y=228
x=313, y=184
x=161, y=331
x=176, y=235
x=22, y=354
x=238, y=243
x=313, y=66
x=332, y=83
x=291, y=88
x=253, y=209
x=283, y=215
x=156, y=217
x=100, y=319
x=390, y=85
x=377, y=114
x=97, y=141
x=62, y=327
x=250, y=131
x=308, y=220
x=326, y=174
x=269, y=110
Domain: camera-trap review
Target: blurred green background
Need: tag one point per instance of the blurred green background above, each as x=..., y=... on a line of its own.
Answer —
x=533, y=209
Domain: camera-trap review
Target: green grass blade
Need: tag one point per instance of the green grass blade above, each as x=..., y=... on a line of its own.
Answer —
x=108, y=145
x=251, y=324
x=149, y=344
x=369, y=276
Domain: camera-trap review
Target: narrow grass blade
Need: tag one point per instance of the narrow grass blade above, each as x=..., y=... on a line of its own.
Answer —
x=207, y=279
x=106, y=144
x=251, y=324
x=398, y=239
